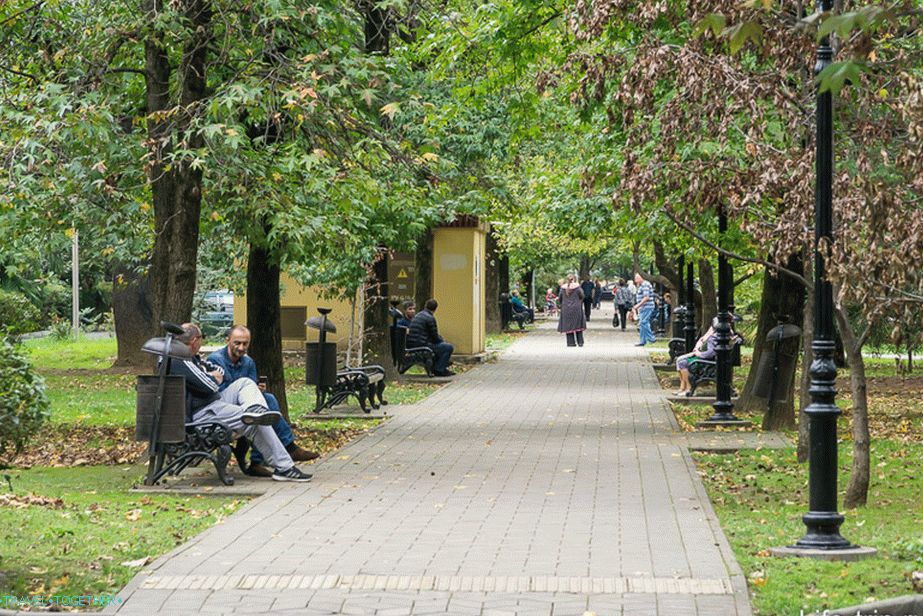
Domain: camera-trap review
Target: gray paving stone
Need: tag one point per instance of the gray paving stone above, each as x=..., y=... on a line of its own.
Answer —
x=549, y=482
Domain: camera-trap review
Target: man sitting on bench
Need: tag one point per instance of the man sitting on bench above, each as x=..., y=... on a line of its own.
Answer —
x=236, y=364
x=520, y=310
x=425, y=333
x=241, y=406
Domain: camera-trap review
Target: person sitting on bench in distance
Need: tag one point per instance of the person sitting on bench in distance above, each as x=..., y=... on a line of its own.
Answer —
x=408, y=309
x=241, y=406
x=425, y=333
x=521, y=308
x=704, y=349
x=236, y=364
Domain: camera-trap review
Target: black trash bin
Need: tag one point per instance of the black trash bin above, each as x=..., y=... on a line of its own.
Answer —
x=774, y=377
x=679, y=322
x=327, y=375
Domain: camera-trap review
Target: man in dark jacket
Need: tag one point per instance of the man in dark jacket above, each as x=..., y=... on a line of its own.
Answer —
x=425, y=332
x=588, y=289
x=241, y=406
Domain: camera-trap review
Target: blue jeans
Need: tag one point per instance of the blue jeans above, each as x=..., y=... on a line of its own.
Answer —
x=281, y=428
x=644, y=325
x=443, y=353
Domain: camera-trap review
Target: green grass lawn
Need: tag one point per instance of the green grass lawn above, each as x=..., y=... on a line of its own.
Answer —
x=84, y=354
x=760, y=497
x=69, y=531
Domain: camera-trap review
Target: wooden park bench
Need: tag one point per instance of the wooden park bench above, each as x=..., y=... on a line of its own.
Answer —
x=160, y=419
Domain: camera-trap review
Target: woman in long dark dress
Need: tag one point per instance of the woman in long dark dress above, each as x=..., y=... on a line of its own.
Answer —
x=572, y=321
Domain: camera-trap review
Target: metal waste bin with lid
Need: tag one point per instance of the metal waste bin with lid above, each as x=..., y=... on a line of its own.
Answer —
x=775, y=372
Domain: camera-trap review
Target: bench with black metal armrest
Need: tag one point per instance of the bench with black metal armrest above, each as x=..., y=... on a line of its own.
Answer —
x=403, y=357
x=332, y=386
x=706, y=370
x=160, y=419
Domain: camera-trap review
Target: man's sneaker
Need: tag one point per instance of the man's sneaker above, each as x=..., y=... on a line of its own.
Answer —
x=260, y=415
x=292, y=474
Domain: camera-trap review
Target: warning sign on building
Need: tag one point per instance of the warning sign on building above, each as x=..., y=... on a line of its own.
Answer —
x=402, y=275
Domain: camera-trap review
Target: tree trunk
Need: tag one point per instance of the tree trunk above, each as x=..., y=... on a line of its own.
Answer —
x=504, y=274
x=585, y=266
x=176, y=188
x=781, y=301
x=377, y=32
x=857, y=490
x=376, y=341
x=424, y=269
x=525, y=286
x=807, y=338
x=265, y=323
x=492, y=283
x=709, y=308
x=131, y=309
x=667, y=274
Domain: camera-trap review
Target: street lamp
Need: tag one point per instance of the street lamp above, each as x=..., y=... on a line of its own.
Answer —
x=724, y=407
x=822, y=519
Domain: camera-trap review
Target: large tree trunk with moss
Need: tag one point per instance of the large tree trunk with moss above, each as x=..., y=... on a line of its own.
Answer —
x=504, y=274
x=264, y=320
x=376, y=343
x=781, y=301
x=857, y=490
x=492, y=285
x=176, y=187
x=424, y=269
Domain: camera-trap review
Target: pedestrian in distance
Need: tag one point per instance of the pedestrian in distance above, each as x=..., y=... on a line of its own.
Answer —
x=644, y=307
x=572, y=321
x=588, y=289
x=623, y=302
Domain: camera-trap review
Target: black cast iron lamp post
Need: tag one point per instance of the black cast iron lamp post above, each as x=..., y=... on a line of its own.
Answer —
x=724, y=407
x=823, y=539
x=822, y=520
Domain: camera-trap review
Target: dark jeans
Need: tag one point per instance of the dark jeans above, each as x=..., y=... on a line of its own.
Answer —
x=587, y=307
x=443, y=352
x=572, y=335
x=623, y=315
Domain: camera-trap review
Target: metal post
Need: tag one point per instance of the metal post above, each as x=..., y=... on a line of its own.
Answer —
x=724, y=408
x=822, y=520
x=689, y=330
x=75, y=283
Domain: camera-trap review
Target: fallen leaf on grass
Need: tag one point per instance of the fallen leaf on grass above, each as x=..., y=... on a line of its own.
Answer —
x=136, y=563
x=134, y=515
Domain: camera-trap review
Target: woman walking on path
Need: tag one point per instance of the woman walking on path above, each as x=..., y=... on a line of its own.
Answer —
x=623, y=302
x=572, y=321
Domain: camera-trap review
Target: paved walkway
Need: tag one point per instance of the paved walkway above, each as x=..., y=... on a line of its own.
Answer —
x=548, y=483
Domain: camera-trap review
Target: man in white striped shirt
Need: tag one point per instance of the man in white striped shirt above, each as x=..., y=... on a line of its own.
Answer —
x=241, y=406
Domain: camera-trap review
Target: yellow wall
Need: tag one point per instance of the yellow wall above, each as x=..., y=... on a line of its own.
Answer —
x=294, y=294
x=458, y=286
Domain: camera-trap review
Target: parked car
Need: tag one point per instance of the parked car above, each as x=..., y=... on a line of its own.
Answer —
x=609, y=292
x=214, y=312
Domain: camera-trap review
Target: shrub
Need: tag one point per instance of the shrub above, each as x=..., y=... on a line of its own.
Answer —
x=17, y=314
x=24, y=408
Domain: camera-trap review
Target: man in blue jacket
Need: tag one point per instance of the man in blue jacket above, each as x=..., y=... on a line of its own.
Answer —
x=241, y=406
x=233, y=359
x=425, y=332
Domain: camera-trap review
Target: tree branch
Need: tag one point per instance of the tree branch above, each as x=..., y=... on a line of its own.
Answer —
x=733, y=255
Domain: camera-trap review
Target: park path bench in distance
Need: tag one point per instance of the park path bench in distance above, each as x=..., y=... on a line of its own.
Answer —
x=404, y=358
x=332, y=386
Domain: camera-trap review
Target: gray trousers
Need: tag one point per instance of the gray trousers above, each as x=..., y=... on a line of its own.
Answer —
x=238, y=397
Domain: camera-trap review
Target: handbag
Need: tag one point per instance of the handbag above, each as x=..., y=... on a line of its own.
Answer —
x=615, y=320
